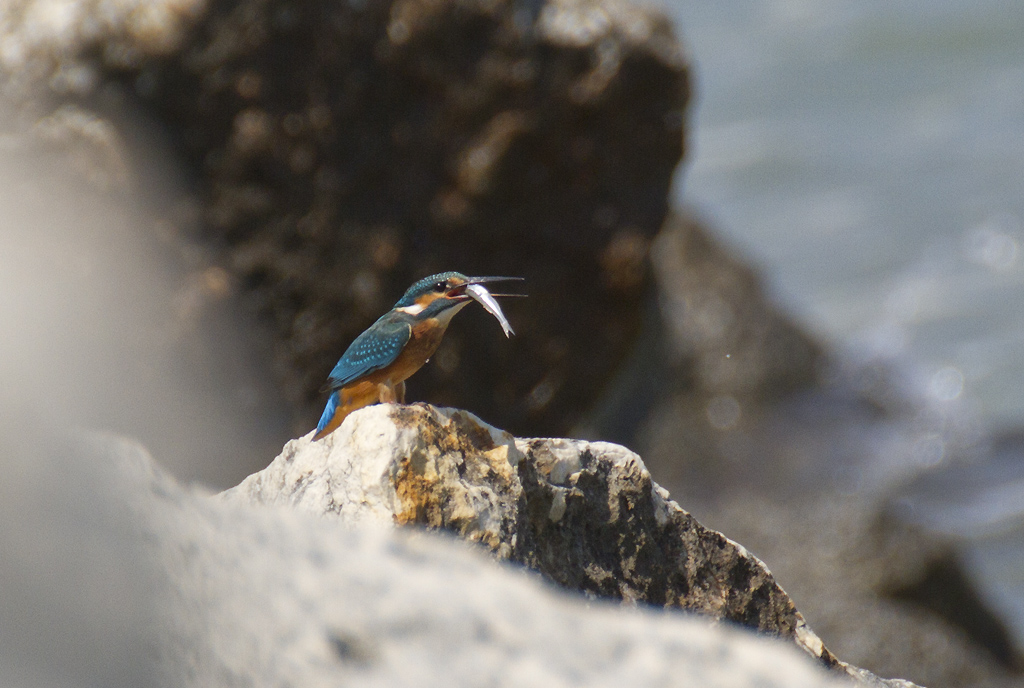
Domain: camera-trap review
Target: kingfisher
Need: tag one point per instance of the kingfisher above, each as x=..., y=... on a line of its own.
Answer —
x=377, y=363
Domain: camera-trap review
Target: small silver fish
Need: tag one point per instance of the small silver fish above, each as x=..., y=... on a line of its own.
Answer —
x=485, y=299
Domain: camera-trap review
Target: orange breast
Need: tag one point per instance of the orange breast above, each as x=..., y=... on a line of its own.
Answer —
x=426, y=337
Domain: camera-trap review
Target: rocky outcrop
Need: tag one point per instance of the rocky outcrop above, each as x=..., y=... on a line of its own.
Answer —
x=115, y=575
x=587, y=515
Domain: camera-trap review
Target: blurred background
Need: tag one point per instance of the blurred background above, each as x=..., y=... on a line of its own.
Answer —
x=868, y=158
x=773, y=246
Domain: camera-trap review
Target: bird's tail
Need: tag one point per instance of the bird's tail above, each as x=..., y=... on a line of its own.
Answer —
x=327, y=420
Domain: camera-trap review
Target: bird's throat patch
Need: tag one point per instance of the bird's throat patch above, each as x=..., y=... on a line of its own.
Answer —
x=422, y=302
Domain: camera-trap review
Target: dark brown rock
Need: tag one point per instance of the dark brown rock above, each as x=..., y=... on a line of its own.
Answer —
x=347, y=148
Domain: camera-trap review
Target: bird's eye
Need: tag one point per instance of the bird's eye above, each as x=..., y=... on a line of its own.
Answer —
x=441, y=286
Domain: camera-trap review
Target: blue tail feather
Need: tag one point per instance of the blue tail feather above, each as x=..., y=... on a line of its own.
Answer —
x=332, y=408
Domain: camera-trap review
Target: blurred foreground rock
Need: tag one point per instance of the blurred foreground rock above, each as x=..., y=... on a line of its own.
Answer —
x=587, y=515
x=115, y=575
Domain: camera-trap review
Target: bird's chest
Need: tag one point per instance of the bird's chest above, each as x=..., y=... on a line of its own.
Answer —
x=426, y=337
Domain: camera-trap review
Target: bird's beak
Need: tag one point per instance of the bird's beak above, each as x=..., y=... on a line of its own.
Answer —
x=474, y=289
x=486, y=280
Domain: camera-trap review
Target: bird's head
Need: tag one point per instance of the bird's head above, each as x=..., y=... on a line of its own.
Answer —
x=444, y=294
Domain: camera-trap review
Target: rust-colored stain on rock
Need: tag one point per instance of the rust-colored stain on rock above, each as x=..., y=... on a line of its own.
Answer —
x=457, y=478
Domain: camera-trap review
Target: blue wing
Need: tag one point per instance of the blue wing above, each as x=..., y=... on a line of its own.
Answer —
x=374, y=349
